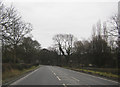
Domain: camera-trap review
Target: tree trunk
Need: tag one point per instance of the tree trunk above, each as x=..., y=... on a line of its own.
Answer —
x=67, y=59
x=14, y=53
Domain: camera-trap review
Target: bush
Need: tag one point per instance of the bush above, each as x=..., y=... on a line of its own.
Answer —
x=6, y=67
x=9, y=66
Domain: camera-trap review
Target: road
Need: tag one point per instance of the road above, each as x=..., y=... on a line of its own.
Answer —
x=53, y=75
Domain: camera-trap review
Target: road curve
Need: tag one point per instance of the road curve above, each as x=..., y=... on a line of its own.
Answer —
x=53, y=75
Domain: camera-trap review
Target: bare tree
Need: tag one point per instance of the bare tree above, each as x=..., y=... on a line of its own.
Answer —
x=93, y=31
x=13, y=28
x=119, y=34
x=114, y=32
x=105, y=34
x=114, y=26
x=64, y=43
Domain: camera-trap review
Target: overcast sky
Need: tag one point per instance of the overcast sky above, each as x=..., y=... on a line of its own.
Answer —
x=50, y=17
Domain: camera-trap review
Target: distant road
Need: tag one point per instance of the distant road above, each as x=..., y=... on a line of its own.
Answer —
x=53, y=75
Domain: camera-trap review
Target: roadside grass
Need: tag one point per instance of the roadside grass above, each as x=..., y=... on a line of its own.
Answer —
x=15, y=73
x=98, y=73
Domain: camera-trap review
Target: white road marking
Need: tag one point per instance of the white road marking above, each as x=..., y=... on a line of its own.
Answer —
x=15, y=83
x=99, y=77
x=64, y=85
x=54, y=74
x=68, y=84
x=52, y=71
x=58, y=78
x=75, y=79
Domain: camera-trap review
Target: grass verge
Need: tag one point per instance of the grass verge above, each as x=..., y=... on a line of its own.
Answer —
x=9, y=76
x=97, y=73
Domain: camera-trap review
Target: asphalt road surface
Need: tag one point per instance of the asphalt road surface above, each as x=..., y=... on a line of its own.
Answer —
x=53, y=75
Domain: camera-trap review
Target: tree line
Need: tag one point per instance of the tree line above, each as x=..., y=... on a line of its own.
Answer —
x=18, y=47
x=101, y=50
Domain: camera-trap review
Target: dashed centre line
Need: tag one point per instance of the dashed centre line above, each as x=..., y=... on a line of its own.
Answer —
x=61, y=79
x=75, y=79
x=54, y=74
x=58, y=78
x=64, y=85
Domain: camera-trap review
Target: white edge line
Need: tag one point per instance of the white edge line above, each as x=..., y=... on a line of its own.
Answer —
x=15, y=83
x=100, y=78
x=96, y=76
x=75, y=79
